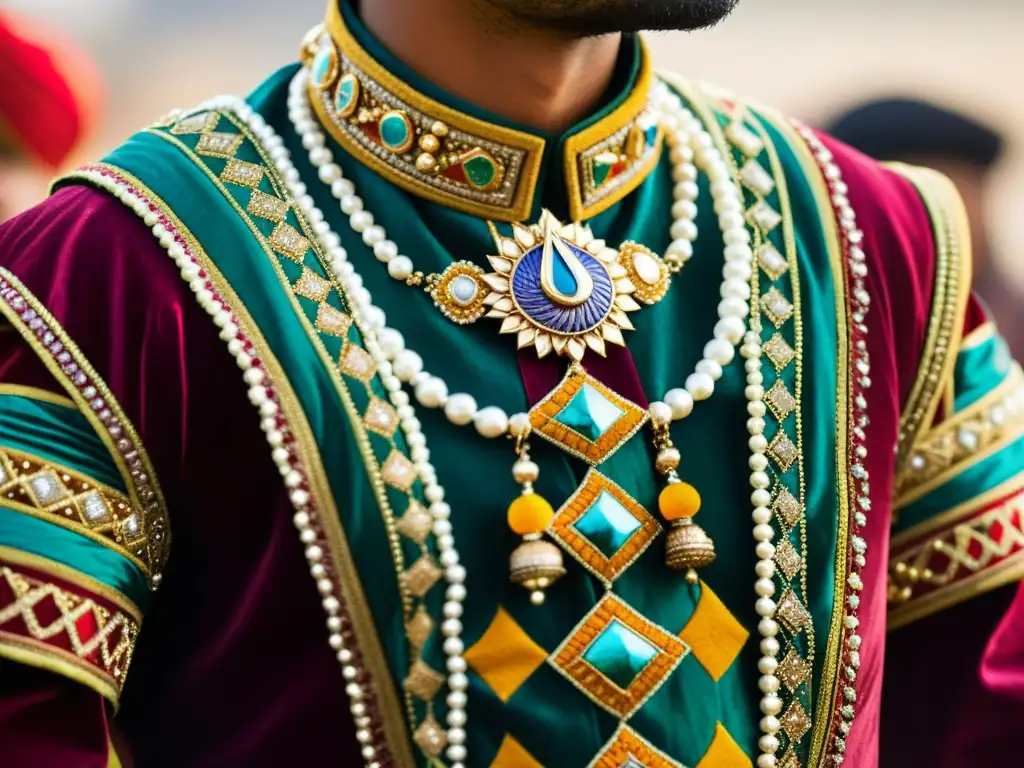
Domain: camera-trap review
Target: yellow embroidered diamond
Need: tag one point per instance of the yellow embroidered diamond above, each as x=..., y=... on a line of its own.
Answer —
x=218, y=144
x=357, y=363
x=332, y=321
x=381, y=417
x=416, y=523
x=787, y=559
x=779, y=351
x=423, y=681
x=243, y=173
x=781, y=402
x=795, y=722
x=419, y=627
x=603, y=527
x=431, y=736
x=204, y=122
x=512, y=754
x=783, y=451
x=776, y=306
x=793, y=670
x=627, y=749
x=786, y=507
x=312, y=286
x=421, y=576
x=504, y=656
x=724, y=752
x=617, y=657
x=714, y=635
x=267, y=206
x=398, y=471
x=289, y=242
x=586, y=418
x=771, y=261
x=764, y=217
x=47, y=489
x=792, y=612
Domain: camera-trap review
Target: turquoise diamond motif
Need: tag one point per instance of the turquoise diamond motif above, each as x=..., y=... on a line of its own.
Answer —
x=589, y=413
x=607, y=524
x=620, y=654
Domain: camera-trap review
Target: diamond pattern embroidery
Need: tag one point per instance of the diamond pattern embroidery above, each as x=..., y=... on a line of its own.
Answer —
x=776, y=306
x=783, y=451
x=779, y=351
x=504, y=656
x=627, y=749
x=603, y=527
x=217, y=144
x=748, y=142
x=416, y=523
x=584, y=417
x=431, y=737
x=267, y=206
x=512, y=754
x=398, y=471
x=617, y=657
x=421, y=576
x=47, y=489
x=357, y=363
x=781, y=402
x=288, y=241
x=757, y=178
x=419, y=627
x=764, y=216
x=793, y=670
x=312, y=286
x=381, y=417
x=792, y=612
x=423, y=681
x=240, y=172
x=332, y=321
x=772, y=262
x=201, y=123
x=786, y=507
x=795, y=721
x=787, y=559
x=724, y=752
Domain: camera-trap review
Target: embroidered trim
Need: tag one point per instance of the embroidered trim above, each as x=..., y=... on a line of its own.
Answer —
x=353, y=634
x=99, y=406
x=963, y=440
x=983, y=550
x=34, y=393
x=460, y=161
x=949, y=301
x=57, y=494
x=60, y=620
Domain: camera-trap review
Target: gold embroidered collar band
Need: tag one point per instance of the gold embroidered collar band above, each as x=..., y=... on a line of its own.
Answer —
x=454, y=159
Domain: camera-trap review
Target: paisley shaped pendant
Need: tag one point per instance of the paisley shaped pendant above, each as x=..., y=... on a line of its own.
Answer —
x=559, y=289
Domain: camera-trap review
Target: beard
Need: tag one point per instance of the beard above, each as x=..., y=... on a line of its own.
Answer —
x=602, y=17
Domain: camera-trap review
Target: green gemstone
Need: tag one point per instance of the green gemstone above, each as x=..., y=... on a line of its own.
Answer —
x=589, y=413
x=607, y=524
x=480, y=170
x=620, y=654
x=395, y=131
x=346, y=94
x=601, y=171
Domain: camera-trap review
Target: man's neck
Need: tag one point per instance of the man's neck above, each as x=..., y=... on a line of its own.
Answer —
x=535, y=77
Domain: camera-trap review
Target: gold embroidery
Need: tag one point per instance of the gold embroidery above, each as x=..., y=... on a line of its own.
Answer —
x=779, y=352
x=787, y=559
x=398, y=471
x=786, y=507
x=780, y=401
x=431, y=736
x=793, y=670
x=203, y=122
x=772, y=262
x=783, y=451
x=419, y=628
x=217, y=144
x=421, y=576
x=266, y=206
x=627, y=749
x=423, y=682
x=243, y=173
x=289, y=242
x=357, y=363
x=312, y=286
x=416, y=523
x=795, y=722
x=793, y=613
x=381, y=417
x=776, y=306
x=332, y=321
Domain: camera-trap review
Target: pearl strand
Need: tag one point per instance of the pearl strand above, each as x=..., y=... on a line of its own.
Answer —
x=369, y=319
x=689, y=141
x=264, y=397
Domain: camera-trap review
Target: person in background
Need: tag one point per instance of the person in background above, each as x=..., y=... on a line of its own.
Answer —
x=49, y=95
x=967, y=151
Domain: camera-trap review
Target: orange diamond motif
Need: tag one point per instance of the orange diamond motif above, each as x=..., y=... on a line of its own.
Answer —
x=724, y=752
x=504, y=656
x=627, y=749
x=714, y=635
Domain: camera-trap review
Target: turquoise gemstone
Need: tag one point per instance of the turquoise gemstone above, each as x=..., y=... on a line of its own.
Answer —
x=480, y=171
x=565, y=283
x=589, y=413
x=323, y=64
x=394, y=131
x=620, y=654
x=651, y=135
x=346, y=94
x=607, y=524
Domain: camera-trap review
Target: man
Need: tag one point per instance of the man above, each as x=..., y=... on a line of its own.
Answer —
x=344, y=309
x=966, y=151
x=50, y=93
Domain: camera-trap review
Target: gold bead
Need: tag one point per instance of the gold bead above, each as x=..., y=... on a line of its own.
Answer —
x=536, y=564
x=687, y=546
x=439, y=129
x=668, y=459
x=425, y=162
x=429, y=143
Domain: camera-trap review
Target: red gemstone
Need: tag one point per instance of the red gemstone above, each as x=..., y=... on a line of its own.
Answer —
x=455, y=173
x=616, y=169
x=256, y=362
x=202, y=274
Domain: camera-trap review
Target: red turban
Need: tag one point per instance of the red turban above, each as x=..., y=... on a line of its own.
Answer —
x=49, y=92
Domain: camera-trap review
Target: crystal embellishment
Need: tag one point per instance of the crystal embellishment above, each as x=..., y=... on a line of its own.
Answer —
x=332, y=321
x=779, y=352
x=381, y=417
x=421, y=576
x=744, y=139
x=289, y=242
x=780, y=400
x=312, y=286
x=776, y=306
x=357, y=363
x=217, y=144
x=617, y=657
x=772, y=262
x=757, y=178
x=603, y=527
x=48, y=489
x=430, y=736
x=786, y=507
x=787, y=559
x=95, y=509
x=243, y=173
x=783, y=451
x=793, y=670
x=267, y=206
x=795, y=722
x=423, y=681
x=398, y=471
x=792, y=612
x=416, y=523
x=586, y=418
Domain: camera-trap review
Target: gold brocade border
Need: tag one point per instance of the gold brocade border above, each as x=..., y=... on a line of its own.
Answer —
x=35, y=393
x=156, y=516
x=830, y=681
x=934, y=382
x=1000, y=562
x=944, y=457
x=346, y=575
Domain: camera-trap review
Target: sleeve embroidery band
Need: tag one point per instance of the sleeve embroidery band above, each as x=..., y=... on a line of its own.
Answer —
x=958, y=528
x=83, y=524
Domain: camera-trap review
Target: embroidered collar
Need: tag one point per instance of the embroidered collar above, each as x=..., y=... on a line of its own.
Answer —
x=463, y=162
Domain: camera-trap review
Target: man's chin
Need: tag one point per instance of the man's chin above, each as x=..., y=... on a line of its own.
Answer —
x=602, y=17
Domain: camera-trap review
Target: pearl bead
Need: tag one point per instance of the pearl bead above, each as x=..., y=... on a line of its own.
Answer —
x=491, y=421
x=519, y=425
x=661, y=413
x=771, y=705
x=360, y=220
x=767, y=665
x=719, y=350
x=770, y=646
x=768, y=743
x=524, y=471
x=768, y=684
x=709, y=368
x=432, y=392
x=765, y=606
x=729, y=328
x=460, y=409
x=733, y=307
x=761, y=515
x=766, y=761
x=760, y=498
x=400, y=267
x=680, y=401
x=700, y=386
x=759, y=479
x=407, y=364
x=768, y=627
x=764, y=587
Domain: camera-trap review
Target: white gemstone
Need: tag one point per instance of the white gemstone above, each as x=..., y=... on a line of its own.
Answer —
x=646, y=267
x=967, y=439
x=95, y=509
x=48, y=489
x=463, y=290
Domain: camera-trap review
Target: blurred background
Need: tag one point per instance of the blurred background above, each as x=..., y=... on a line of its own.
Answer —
x=810, y=58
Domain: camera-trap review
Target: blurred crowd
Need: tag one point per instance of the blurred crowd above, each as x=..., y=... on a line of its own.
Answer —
x=50, y=96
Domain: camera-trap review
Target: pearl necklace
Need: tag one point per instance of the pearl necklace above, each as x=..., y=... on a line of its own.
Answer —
x=683, y=128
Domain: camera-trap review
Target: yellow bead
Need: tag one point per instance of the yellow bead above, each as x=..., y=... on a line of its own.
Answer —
x=678, y=500
x=530, y=513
